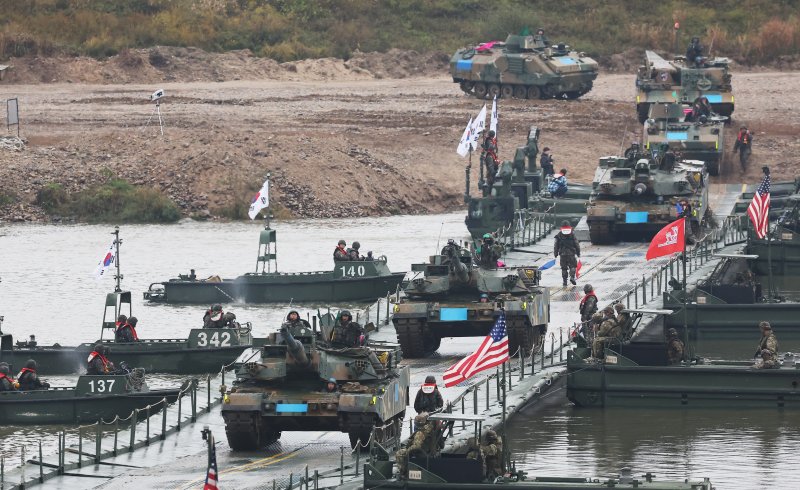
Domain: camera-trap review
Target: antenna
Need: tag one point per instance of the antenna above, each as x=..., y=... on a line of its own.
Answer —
x=117, y=243
x=438, y=239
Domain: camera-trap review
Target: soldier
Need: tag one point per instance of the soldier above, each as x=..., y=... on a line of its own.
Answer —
x=623, y=321
x=229, y=320
x=428, y=397
x=694, y=53
x=98, y=363
x=490, y=252
x=701, y=108
x=768, y=360
x=546, y=162
x=294, y=320
x=452, y=249
x=609, y=330
x=633, y=153
x=6, y=382
x=675, y=347
x=127, y=331
x=346, y=332
x=489, y=157
x=29, y=380
x=474, y=452
x=744, y=144
x=213, y=317
x=422, y=443
x=121, y=320
x=768, y=341
x=558, y=186
x=353, y=253
x=492, y=449
x=540, y=37
x=588, y=305
x=567, y=246
x=331, y=386
x=340, y=253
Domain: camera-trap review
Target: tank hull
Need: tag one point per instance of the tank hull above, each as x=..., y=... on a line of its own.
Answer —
x=698, y=386
x=274, y=288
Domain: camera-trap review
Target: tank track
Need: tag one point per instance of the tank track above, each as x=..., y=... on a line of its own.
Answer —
x=521, y=335
x=246, y=431
x=360, y=427
x=482, y=90
x=602, y=233
x=410, y=336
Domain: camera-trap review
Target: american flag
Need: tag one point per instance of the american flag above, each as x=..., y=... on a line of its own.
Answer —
x=492, y=352
x=211, y=476
x=759, y=208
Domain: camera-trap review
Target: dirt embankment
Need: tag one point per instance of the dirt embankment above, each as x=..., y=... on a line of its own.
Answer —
x=374, y=135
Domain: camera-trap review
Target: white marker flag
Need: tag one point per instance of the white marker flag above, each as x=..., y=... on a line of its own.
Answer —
x=463, y=145
x=106, y=262
x=493, y=123
x=261, y=200
x=478, y=125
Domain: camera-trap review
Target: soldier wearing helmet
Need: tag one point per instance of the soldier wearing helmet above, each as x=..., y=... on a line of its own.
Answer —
x=694, y=53
x=492, y=449
x=214, y=317
x=588, y=304
x=567, y=247
x=608, y=331
x=28, y=378
x=340, y=252
x=98, y=363
x=675, y=347
x=346, y=332
x=331, y=386
x=6, y=382
x=489, y=160
x=489, y=252
x=768, y=341
x=126, y=330
x=623, y=320
x=428, y=398
x=423, y=443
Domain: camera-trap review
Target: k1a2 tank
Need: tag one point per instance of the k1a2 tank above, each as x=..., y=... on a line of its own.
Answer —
x=524, y=67
x=299, y=381
x=635, y=196
x=451, y=296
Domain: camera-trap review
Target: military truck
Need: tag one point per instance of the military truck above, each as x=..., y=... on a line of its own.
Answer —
x=281, y=386
x=635, y=196
x=659, y=81
x=520, y=192
x=443, y=299
x=524, y=67
x=703, y=139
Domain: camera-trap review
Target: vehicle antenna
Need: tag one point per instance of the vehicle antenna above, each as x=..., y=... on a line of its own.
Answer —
x=622, y=140
x=439, y=239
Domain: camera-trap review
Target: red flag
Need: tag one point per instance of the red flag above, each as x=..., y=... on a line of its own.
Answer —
x=668, y=241
x=578, y=269
x=492, y=352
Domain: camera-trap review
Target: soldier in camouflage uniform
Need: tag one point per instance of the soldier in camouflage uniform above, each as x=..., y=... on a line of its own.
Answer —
x=608, y=330
x=623, y=321
x=674, y=347
x=768, y=360
x=767, y=343
x=492, y=449
x=422, y=441
x=474, y=452
x=490, y=252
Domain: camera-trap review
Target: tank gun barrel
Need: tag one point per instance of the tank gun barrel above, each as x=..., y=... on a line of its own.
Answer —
x=295, y=347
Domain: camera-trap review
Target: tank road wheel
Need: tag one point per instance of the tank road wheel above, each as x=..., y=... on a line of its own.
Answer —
x=521, y=335
x=245, y=431
x=466, y=86
x=534, y=92
x=493, y=91
x=433, y=343
x=573, y=95
x=480, y=90
x=507, y=91
x=359, y=429
x=520, y=92
x=410, y=337
x=602, y=233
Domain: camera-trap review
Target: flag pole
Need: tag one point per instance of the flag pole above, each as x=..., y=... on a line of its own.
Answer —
x=505, y=439
x=685, y=294
x=117, y=241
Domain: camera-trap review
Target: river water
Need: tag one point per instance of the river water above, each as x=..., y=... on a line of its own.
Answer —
x=48, y=288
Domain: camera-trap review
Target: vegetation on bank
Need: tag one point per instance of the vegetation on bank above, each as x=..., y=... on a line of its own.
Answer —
x=115, y=201
x=751, y=31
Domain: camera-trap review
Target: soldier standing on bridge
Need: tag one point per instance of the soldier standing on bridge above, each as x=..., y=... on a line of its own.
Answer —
x=675, y=347
x=428, y=398
x=588, y=305
x=767, y=347
x=567, y=246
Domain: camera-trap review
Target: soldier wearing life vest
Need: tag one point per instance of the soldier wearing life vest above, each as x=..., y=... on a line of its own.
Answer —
x=6, y=382
x=98, y=363
x=29, y=380
x=126, y=332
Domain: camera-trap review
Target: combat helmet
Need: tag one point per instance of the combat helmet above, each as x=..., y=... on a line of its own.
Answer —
x=356, y=245
x=588, y=288
x=491, y=436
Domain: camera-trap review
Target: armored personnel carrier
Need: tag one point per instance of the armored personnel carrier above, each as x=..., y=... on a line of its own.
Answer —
x=696, y=140
x=660, y=81
x=635, y=197
x=444, y=300
x=282, y=386
x=524, y=67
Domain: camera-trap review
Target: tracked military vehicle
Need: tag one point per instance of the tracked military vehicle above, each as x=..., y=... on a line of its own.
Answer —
x=443, y=299
x=282, y=387
x=660, y=81
x=524, y=67
x=635, y=197
x=703, y=139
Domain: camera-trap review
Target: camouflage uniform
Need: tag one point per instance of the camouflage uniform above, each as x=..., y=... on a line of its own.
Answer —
x=474, y=452
x=588, y=305
x=422, y=440
x=490, y=252
x=346, y=333
x=623, y=321
x=768, y=360
x=608, y=330
x=492, y=449
x=767, y=347
x=567, y=246
x=340, y=253
x=674, y=347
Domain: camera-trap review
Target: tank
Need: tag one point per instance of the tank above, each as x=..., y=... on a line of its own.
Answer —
x=635, y=197
x=281, y=387
x=523, y=67
x=442, y=300
x=659, y=81
x=520, y=192
x=696, y=140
